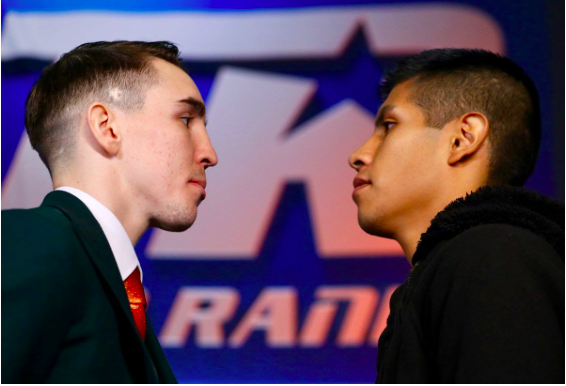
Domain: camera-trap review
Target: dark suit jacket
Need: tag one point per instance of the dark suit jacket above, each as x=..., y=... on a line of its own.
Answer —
x=65, y=312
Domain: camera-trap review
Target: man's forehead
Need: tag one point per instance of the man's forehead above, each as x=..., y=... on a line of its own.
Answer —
x=177, y=85
x=171, y=75
x=401, y=96
x=402, y=92
x=386, y=108
x=400, y=102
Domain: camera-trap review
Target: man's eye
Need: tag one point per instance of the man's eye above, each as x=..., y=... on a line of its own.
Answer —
x=388, y=126
x=186, y=120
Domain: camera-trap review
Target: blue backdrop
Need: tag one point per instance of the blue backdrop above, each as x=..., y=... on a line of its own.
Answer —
x=288, y=260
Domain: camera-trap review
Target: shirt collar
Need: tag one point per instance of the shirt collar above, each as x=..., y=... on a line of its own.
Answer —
x=120, y=243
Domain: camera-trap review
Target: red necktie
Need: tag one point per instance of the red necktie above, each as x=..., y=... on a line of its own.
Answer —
x=136, y=296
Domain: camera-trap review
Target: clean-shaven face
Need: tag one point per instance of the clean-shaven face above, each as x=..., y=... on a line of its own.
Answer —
x=168, y=149
x=398, y=173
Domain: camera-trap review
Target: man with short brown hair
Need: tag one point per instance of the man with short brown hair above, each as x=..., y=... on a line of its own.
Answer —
x=121, y=128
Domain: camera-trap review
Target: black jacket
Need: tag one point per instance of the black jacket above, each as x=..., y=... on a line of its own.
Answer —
x=65, y=312
x=484, y=302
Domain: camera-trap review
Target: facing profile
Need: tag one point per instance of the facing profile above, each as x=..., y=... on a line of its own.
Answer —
x=121, y=128
x=455, y=139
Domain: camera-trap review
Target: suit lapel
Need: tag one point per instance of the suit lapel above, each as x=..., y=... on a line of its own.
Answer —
x=161, y=364
x=90, y=233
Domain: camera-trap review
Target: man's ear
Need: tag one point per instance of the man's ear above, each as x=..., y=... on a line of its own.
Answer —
x=102, y=125
x=470, y=131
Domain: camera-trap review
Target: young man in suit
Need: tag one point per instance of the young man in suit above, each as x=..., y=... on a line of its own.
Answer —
x=455, y=139
x=121, y=128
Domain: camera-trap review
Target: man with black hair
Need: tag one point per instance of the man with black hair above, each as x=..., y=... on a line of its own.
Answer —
x=121, y=128
x=455, y=139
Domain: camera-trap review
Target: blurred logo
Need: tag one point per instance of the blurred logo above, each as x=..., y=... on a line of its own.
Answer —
x=205, y=311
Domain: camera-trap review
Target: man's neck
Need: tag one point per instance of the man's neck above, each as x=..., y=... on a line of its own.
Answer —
x=118, y=202
x=409, y=236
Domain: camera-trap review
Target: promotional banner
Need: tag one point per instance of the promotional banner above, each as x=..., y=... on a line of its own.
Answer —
x=275, y=282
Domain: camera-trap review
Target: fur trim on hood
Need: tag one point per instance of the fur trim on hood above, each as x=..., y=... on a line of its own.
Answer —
x=500, y=204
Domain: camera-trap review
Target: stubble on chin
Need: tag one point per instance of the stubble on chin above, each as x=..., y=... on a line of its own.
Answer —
x=372, y=222
x=176, y=218
x=367, y=224
x=365, y=220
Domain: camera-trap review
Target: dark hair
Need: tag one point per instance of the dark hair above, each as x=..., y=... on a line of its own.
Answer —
x=447, y=83
x=118, y=73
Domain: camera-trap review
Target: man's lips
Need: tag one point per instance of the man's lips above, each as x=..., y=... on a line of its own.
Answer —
x=360, y=182
x=201, y=184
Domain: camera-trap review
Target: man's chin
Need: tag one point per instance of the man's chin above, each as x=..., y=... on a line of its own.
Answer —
x=176, y=224
x=367, y=227
x=373, y=226
x=176, y=227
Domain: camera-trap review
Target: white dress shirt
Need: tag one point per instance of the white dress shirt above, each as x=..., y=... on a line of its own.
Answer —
x=120, y=243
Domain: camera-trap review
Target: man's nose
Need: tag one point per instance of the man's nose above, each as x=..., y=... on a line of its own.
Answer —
x=205, y=153
x=363, y=156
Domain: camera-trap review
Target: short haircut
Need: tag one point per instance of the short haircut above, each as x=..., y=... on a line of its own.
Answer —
x=447, y=83
x=118, y=73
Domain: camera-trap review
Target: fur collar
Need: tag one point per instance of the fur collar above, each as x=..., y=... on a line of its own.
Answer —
x=497, y=205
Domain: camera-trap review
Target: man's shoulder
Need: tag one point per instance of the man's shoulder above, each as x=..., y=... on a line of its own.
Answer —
x=38, y=236
x=36, y=222
x=40, y=213
x=485, y=295
x=498, y=240
x=497, y=252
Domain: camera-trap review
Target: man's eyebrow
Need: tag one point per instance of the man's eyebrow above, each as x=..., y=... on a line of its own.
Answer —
x=194, y=104
x=381, y=115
